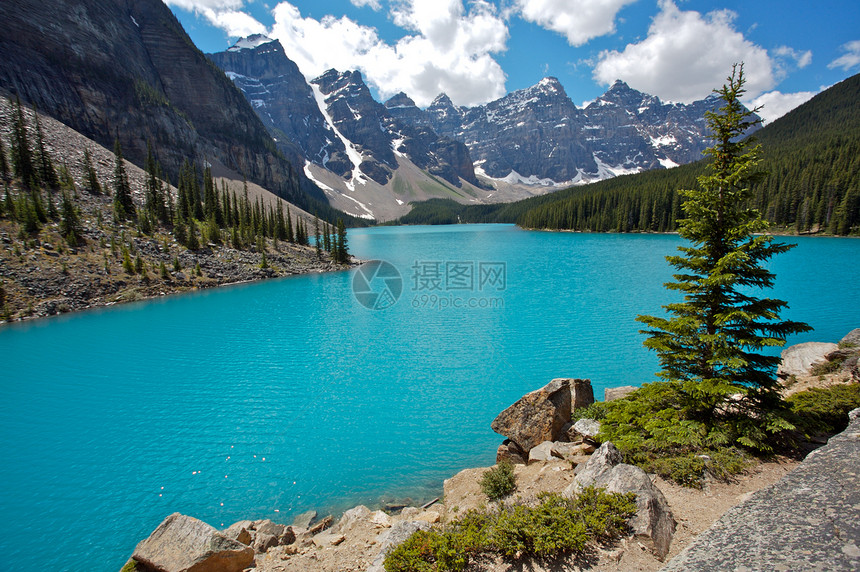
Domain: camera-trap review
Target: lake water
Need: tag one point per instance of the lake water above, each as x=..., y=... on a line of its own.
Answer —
x=269, y=399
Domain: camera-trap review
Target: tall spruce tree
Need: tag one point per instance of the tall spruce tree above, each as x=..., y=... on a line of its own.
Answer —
x=341, y=251
x=4, y=164
x=710, y=346
x=22, y=155
x=44, y=164
x=123, y=205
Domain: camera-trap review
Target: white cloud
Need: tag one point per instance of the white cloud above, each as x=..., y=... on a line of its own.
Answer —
x=450, y=50
x=236, y=24
x=801, y=59
x=686, y=55
x=200, y=5
x=372, y=4
x=775, y=104
x=578, y=20
x=850, y=59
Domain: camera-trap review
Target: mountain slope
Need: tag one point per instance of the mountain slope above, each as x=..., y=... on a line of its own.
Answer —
x=127, y=69
x=811, y=155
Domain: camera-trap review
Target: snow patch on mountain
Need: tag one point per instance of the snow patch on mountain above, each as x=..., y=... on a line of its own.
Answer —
x=351, y=152
x=250, y=43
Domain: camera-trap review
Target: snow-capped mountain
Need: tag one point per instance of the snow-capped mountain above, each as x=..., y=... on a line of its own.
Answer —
x=538, y=136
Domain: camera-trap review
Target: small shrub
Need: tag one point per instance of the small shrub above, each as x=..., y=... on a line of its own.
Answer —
x=596, y=411
x=826, y=367
x=555, y=526
x=820, y=410
x=499, y=481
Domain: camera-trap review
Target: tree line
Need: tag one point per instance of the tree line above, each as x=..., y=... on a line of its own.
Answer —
x=200, y=213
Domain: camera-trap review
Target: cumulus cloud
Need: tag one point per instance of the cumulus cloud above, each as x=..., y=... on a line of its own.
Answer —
x=578, y=20
x=373, y=4
x=450, y=49
x=850, y=59
x=775, y=104
x=686, y=55
x=224, y=14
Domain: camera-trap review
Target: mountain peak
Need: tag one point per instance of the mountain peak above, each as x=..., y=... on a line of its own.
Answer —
x=400, y=100
x=442, y=100
x=250, y=43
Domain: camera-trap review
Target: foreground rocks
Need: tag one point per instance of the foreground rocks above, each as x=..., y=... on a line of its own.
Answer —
x=653, y=522
x=810, y=520
x=184, y=544
x=798, y=359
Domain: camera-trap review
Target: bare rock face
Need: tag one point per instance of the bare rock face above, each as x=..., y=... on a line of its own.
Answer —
x=851, y=339
x=797, y=359
x=537, y=416
x=511, y=452
x=581, y=392
x=542, y=453
x=653, y=521
x=613, y=393
x=184, y=544
x=395, y=536
x=587, y=427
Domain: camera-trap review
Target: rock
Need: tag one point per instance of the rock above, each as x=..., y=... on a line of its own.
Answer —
x=542, y=453
x=587, y=427
x=380, y=519
x=321, y=525
x=851, y=339
x=537, y=416
x=287, y=537
x=510, y=452
x=351, y=519
x=240, y=531
x=430, y=516
x=264, y=541
x=653, y=520
x=391, y=539
x=613, y=393
x=305, y=519
x=269, y=527
x=182, y=543
x=326, y=539
x=581, y=392
x=565, y=451
x=797, y=359
x=854, y=414
x=569, y=435
x=410, y=513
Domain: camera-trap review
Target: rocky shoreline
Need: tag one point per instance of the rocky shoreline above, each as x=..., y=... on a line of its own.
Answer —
x=550, y=454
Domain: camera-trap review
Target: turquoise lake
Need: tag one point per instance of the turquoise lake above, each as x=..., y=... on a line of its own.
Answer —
x=266, y=400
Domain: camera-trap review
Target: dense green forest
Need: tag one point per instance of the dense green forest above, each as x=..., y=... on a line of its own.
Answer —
x=811, y=156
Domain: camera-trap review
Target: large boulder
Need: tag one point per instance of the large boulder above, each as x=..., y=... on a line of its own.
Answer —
x=851, y=339
x=581, y=392
x=184, y=544
x=537, y=416
x=797, y=359
x=587, y=427
x=542, y=453
x=653, y=521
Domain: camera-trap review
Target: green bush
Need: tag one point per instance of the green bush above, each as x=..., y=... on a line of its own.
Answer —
x=826, y=367
x=596, y=411
x=554, y=526
x=824, y=410
x=689, y=469
x=499, y=481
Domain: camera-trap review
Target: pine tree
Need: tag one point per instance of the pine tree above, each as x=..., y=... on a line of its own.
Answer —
x=123, y=205
x=193, y=243
x=342, y=251
x=710, y=346
x=45, y=166
x=4, y=163
x=22, y=155
x=317, y=238
x=290, y=236
x=70, y=221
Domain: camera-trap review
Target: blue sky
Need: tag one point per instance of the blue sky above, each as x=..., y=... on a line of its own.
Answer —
x=476, y=51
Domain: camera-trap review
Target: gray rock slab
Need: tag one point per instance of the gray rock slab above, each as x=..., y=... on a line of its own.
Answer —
x=809, y=520
x=797, y=359
x=613, y=393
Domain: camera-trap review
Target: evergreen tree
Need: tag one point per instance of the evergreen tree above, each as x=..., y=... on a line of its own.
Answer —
x=22, y=155
x=710, y=346
x=290, y=236
x=70, y=221
x=193, y=243
x=4, y=163
x=342, y=251
x=45, y=166
x=317, y=238
x=91, y=178
x=327, y=238
x=123, y=205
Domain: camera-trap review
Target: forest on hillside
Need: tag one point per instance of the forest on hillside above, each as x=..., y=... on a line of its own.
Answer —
x=811, y=158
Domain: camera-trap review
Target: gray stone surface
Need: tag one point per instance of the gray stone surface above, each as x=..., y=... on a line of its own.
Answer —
x=613, y=393
x=305, y=519
x=581, y=392
x=541, y=453
x=852, y=338
x=184, y=544
x=587, y=427
x=797, y=359
x=395, y=536
x=810, y=520
x=653, y=522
